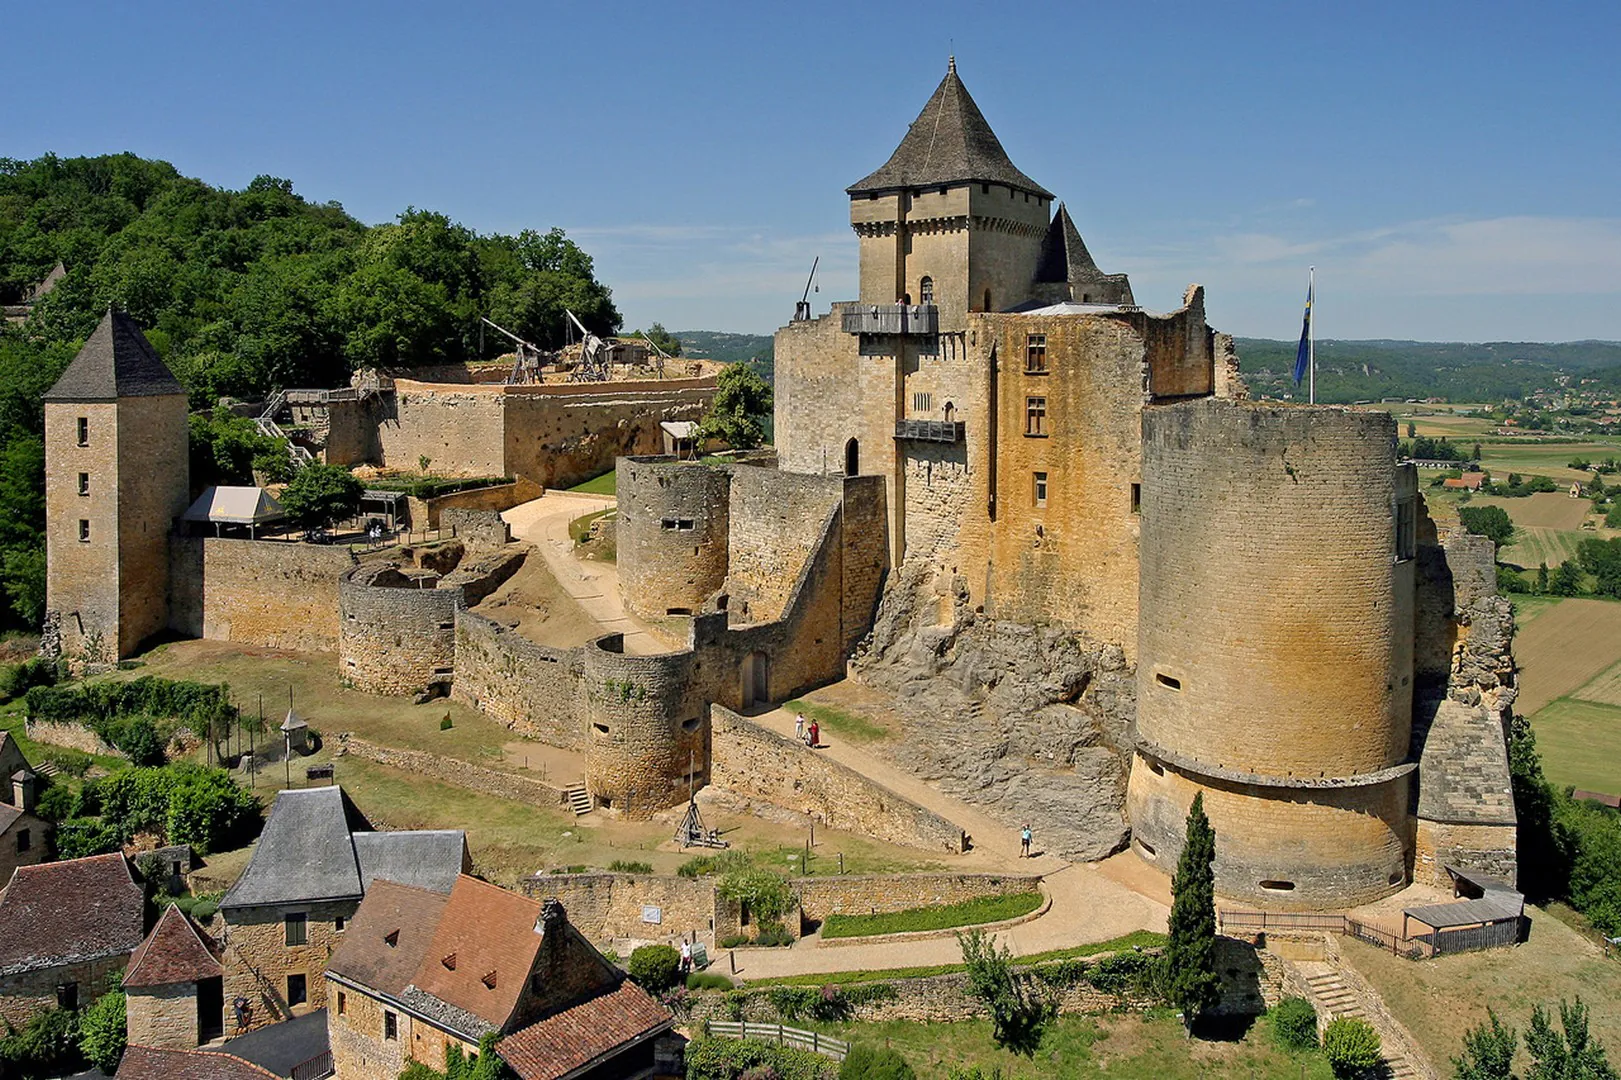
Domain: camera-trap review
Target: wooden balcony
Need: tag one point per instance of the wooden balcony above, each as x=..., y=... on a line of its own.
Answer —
x=892, y=319
x=943, y=431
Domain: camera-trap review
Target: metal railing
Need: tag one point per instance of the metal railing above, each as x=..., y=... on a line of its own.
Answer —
x=1414, y=947
x=315, y=1068
x=892, y=319
x=816, y=1043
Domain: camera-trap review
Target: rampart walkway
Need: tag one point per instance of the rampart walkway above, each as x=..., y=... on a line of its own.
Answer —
x=544, y=523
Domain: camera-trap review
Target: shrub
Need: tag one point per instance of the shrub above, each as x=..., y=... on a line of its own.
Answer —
x=622, y=866
x=655, y=968
x=708, y=980
x=47, y=1046
x=1122, y=973
x=1489, y=521
x=17, y=679
x=77, y=838
x=773, y=935
x=734, y=941
x=1351, y=1046
x=767, y=894
x=101, y=1032
x=866, y=1062
x=57, y=803
x=731, y=1059
x=1294, y=1024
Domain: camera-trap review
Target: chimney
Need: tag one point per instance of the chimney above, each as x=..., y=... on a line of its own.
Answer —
x=22, y=790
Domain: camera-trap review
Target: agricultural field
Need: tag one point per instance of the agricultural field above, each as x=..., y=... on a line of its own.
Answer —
x=1564, y=648
x=1543, y=459
x=1544, y=510
x=1533, y=547
x=1580, y=744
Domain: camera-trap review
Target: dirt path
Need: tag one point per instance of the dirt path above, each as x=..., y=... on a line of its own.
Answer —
x=1088, y=904
x=595, y=585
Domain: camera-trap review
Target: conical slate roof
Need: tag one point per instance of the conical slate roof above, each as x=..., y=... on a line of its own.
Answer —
x=116, y=362
x=1063, y=253
x=950, y=142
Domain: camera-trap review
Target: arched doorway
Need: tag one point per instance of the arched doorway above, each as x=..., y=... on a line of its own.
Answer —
x=852, y=458
x=756, y=680
x=925, y=289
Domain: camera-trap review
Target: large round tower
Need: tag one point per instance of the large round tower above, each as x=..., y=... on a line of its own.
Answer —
x=1275, y=648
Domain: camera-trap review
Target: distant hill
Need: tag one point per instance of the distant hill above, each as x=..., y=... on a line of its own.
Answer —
x=727, y=348
x=1350, y=371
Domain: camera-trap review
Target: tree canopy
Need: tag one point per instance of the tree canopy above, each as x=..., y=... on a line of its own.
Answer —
x=742, y=401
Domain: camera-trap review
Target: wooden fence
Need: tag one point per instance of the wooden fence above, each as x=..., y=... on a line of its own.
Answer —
x=825, y=1045
x=1416, y=947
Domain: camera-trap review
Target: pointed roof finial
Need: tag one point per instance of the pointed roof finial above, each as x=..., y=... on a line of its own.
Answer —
x=951, y=64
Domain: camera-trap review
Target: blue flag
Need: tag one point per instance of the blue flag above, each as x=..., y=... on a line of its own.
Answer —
x=1303, y=354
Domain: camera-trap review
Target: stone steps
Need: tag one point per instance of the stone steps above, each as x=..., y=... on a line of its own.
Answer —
x=579, y=800
x=1334, y=1001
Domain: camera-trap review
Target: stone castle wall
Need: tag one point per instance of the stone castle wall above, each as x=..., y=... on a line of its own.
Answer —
x=752, y=760
x=152, y=493
x=777, y=525
x=645, y=727
x=24, y=995
x=480, y=527
x=458, y=773
x=82, y=576
x=532, y=689
x=671, y=534
x=270, y=593
x=604, y=905
x=395, y=639
x=435, y=513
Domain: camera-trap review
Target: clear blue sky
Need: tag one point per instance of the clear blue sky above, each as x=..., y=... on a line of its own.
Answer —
x=1451, y=168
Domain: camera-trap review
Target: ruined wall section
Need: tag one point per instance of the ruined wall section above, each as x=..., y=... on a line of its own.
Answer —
x=672, y=534
x=257, y=592
x=395, y=638
x=777, y=525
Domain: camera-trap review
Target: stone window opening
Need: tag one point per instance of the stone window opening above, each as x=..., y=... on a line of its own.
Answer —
x=1395, y=878
x=84, y=483
x=297, y=990
x=852, y=458
x=668, y=524
x=600, y=729
x=925, y=290
x=1170, y=682
x=67, y=996
x=1156, y=768
x=296, y=926
x=343, y=1003
x=1035, y=354
x=988, y=292
x=691, y=724
x=1147, y=848
x=922, y=403
x=25, y=840
x=339, y=923
x=984, y=189
x=684, y=525
x=84, y=531
x=1035, y=417
x=84, y=431
x=951, y=412
x=1277, y=885
x=1041, y=489
x=1136, y=498
x=391, y=1026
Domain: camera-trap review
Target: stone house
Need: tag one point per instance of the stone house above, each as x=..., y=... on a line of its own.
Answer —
x=11, y=760
x=24, y=835
x=420, y=972
x=67, y=929
x=174, y=986
x=290, y=908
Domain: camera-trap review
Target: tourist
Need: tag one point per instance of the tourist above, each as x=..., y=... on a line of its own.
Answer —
x=814, y=739
x=799, y=727
x=1024, y=842
x=686, y=956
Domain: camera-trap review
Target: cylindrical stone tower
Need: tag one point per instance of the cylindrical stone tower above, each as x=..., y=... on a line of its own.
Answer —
x=671, y=534
x=647, y=725
x=1275, y=657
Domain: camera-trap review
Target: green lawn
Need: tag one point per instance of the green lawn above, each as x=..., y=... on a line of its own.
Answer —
x=1138, y=939
x=1131, y=1046
x=606, y=484
x=984, y=909
x=1580, y=743
x=837, y=721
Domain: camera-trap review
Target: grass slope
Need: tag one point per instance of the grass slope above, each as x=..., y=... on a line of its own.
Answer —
x=606, y=484
x=984, y=909
x=833, y=720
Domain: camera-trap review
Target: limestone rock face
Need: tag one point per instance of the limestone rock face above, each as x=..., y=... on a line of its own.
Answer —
x=1031, y=722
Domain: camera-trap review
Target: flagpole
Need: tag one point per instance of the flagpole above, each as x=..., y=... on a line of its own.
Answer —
x=1311, y=332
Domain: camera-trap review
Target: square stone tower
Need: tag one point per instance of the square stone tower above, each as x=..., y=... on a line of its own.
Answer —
x=116, y=477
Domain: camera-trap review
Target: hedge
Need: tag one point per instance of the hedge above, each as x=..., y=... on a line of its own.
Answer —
x=727, y=1059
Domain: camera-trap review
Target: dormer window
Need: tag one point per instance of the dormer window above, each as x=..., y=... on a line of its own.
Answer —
x=392, y=939
x=449, y=962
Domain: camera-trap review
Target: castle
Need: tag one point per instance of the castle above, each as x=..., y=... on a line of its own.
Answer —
x=993, y=443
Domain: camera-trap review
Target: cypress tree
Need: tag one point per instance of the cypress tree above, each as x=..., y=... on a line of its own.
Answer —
x=1188, y=965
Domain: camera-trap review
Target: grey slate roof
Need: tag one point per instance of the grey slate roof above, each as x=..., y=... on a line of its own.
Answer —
x=1063, y=253
x=116, y=362
x=428, y=858
x=950, y=142
x=317, y=846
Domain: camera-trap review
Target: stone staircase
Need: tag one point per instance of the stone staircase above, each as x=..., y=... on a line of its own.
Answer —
x=579, y=800
x=1334, y=1000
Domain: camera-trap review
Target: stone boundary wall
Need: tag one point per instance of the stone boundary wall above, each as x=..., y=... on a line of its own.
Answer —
x=869, y=894
x=72, y=736
x=493, y=499
x=453, y=771
x=531, y=688
x=605, y=905
x=481, y=528
x=607, y=389
x=750, y=760
x=271, y=593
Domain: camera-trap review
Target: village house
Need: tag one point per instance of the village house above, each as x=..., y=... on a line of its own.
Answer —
x=289, y=910
x=67, y=929
x=419, y=972
x=24, y=835
x=174, y=987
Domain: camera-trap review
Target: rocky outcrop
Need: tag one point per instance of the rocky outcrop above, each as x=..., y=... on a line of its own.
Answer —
x=1031, y=722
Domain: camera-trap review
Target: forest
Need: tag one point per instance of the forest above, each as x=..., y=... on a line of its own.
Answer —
x=243, y=292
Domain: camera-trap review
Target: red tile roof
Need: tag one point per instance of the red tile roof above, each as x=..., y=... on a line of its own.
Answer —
x=492, y=933
x=174, y=952
x=150, y=1063
x=582, y=1034
x=406, y=914
x=70, y=912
